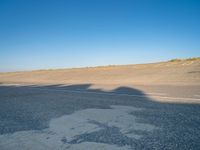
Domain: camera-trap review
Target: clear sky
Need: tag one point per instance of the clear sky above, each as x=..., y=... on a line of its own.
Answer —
x=43, y=34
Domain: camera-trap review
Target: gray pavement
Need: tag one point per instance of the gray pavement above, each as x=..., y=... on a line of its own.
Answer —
x=77, y=117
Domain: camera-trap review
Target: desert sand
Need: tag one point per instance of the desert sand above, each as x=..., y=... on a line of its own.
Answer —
x=178, y=72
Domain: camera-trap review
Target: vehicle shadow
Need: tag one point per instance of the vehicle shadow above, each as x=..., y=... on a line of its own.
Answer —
x=31, y=107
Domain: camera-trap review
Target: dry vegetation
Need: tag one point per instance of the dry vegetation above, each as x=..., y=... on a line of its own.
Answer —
x=188, y=59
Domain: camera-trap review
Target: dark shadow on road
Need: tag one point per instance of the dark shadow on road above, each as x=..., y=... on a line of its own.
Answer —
x=32, y=107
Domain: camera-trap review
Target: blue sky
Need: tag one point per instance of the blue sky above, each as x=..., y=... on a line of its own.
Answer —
x=43, y=34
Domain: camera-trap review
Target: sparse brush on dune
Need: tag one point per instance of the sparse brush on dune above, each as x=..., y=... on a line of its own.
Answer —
x=188, y=59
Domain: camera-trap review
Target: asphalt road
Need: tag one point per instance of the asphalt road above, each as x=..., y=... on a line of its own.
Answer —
x=77, y=117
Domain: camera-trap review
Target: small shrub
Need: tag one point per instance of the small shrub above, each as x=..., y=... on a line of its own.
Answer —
x=175, y=60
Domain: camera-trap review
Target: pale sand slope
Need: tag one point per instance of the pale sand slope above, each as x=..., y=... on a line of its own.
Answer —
x=185, y=72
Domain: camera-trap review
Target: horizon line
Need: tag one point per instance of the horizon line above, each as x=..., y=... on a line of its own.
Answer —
x=101, y=66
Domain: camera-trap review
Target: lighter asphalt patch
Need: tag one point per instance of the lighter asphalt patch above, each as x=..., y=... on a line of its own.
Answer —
x=104, y=129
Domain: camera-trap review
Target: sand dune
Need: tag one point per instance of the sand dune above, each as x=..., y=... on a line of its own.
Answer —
x=181, y=72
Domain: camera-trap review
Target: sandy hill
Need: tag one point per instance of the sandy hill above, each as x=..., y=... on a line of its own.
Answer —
x=173, y=72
